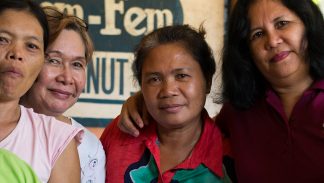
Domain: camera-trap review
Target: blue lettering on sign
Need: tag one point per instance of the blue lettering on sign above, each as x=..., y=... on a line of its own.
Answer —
x=106, y=74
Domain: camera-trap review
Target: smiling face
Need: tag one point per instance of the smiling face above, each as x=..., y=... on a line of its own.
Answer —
x=62, y=78
x=173, y=86
x=21, y=53
x=277, y=41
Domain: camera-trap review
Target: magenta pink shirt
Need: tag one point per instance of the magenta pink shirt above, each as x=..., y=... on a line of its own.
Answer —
x=267, y=147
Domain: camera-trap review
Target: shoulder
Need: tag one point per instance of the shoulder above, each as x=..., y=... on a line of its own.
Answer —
x=210, y=129
x=113, y=136
x=55, y=133
x=111, y=131
x=46, y=124
x=90, y=142
x=92, y=156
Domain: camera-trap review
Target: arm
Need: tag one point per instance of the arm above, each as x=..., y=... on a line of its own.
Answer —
x=133, y=115
x=67, y=167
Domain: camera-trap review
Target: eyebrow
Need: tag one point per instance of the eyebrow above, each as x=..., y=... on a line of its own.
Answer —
x=273, y=21
x=40, y=40
x=36, y=39
x=182, y=69
x=173, y=71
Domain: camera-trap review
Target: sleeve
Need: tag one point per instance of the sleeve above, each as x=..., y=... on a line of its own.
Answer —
x=100, y=174
x=107, y=135
x=106, y=139
x=60, y=135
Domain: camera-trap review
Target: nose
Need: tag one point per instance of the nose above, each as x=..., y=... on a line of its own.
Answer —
x=168, y=89
x=66, y=76
x=15, y=53
x=273, y=39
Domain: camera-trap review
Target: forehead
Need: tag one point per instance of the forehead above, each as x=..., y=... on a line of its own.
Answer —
x=21, y=23
x=168, y=56
x=69, y=44
x=266, y=8
x=68, y=38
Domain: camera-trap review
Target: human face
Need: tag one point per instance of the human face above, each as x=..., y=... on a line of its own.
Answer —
x=173, y=86
x=21, y=53
x=277, y=42
x=62, y=77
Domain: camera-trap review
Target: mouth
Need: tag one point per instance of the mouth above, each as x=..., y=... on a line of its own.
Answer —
x=61, y=94
x=173, y=108
x=280, y=56
x=12, y=72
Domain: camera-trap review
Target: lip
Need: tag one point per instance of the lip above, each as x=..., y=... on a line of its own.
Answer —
x=280, y=56
x=12, y=71
x=61, y=94
x=171, y=108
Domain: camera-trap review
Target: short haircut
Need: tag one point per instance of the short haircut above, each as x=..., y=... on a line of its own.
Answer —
x=192, y=40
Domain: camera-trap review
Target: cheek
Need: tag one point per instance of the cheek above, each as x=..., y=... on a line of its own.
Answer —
x=35, y=71
x=46, y=75
x=255, y=51
x=150, y=95
x=195, y=91
x=38, y=63
x=80, y=81
x=302, y=45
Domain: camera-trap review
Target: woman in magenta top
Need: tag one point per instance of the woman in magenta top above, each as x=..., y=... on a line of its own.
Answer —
x=273, y=70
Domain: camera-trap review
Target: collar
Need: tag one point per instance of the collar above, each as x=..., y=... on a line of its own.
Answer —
x=316, y=85
x=273, y=99
x=207, y=151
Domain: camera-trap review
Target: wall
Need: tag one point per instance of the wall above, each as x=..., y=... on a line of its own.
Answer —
x=116, y=26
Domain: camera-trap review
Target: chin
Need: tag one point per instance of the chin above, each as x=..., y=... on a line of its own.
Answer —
x=171, y=123
x=59, y=109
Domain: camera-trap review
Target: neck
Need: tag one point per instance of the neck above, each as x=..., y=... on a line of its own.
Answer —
x=9, y=117
x=63, y=119
x=291, y=93
x=26, y=101
x=10, y=111
x=180, y=137
x=177, y=144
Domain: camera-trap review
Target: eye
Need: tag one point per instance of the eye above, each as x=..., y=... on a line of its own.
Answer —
x=181, y=76
x=153, y=80
x=256, y=35
x=3, y=40
x=281, y=24
x=53, y=61
x=32, y=46
x=78, y=65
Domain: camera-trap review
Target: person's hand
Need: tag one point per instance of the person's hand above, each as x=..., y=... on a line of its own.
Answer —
x=133, y=115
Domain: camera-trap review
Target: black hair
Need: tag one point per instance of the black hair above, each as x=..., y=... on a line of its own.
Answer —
x=242, y=82
x=31, y=7
x=192, y=40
